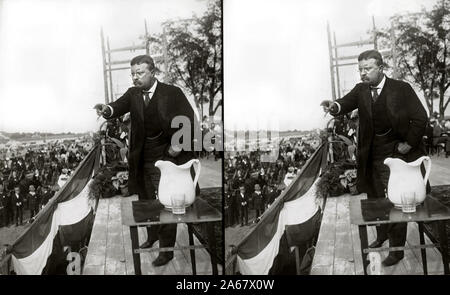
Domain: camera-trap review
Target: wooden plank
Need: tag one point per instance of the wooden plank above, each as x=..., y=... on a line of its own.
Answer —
x=115, y=255
x=181, y=264
x=434, y=258
x=95, y=257
x=148, y=257
x=398, y=269
x=412, y=263
x=322, y=270
x=94, y=270
x=343, y=267
x=202, y=257
x=342, y=209
x=357, y=258
x=343, y=231
x=324, y=256
x=129, y=265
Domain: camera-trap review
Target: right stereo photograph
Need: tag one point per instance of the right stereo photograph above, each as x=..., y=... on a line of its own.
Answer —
x=336, y=137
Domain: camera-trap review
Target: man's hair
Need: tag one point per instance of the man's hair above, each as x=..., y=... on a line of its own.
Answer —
x=143, y=59
x=371, y=54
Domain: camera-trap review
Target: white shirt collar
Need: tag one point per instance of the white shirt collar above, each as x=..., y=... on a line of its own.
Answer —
x=381, y=84
x=151, y=90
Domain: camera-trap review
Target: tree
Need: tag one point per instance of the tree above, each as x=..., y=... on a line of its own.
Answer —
x=192, y=50
x=421, y=51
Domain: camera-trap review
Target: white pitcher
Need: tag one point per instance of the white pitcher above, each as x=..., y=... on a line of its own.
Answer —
x=177, y=180
x=407, y=178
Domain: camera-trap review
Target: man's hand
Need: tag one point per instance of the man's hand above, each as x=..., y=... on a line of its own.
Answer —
x=102, y=109
x=329, y=106
x=403, y=148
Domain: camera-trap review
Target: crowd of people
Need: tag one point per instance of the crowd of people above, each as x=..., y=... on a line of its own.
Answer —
x=438, y=136
x=31, y=174
x=252, y=185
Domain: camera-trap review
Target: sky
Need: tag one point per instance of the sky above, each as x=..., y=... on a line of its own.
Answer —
x=50, y=56
x=276, y=66
x=276, y=56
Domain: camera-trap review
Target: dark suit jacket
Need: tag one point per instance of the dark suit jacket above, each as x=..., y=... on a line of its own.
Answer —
x=241, y=200
x=171, y=102
x=15, y=200
x=405, y=112
x=258, y=200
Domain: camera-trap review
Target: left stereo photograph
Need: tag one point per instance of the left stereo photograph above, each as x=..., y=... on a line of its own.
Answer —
x=111, y=137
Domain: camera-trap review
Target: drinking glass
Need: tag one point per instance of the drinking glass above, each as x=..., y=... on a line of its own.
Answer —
x=178, y=204
x=408, y=202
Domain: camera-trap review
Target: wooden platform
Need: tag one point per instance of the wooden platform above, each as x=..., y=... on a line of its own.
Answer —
x=338, y=247
x=109, y=251
x=338, y=250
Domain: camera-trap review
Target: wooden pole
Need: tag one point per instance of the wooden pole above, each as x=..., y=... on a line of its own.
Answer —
x=375, y=41
x=105, y=77
x=147, y=42
x=330, y=52
x=166, y=58
x=395, y=73
x=338, y=82
x=109, y=70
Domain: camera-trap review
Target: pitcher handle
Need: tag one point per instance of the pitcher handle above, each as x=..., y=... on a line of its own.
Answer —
x=197, y=171
x=427, y=169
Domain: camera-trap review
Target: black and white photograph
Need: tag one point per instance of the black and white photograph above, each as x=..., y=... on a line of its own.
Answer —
x=224, y=138
x=110, y=137
x=336, y=127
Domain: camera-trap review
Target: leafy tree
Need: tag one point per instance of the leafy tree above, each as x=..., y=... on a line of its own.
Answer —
x=422, y=55
x=192, y=53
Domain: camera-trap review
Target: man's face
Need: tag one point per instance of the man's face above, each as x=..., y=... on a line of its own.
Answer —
x=142, y=76
x=370, y=72
x=17, y=190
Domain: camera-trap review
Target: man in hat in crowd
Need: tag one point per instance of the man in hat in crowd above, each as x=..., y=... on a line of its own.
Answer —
x=47, y=194
x=258, y=201
x=18, y=202
x=242, y=198
x=33, y=201
x=153, y=106
x=227, y=206
x=392, y=123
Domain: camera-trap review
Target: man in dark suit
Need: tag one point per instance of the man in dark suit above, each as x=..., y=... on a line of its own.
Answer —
x=33, y=202
x=242, y=199
x=5, y=204
x=18, y=203
x=392, y=123
x=152, y=106
x=228, y=198
x=258, y=201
